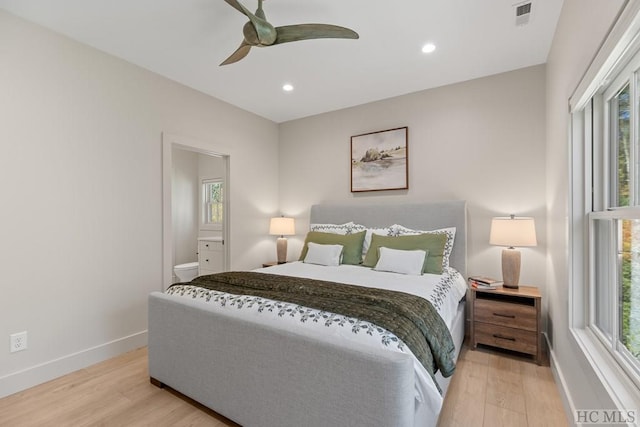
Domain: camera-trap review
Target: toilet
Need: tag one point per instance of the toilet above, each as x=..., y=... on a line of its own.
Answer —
x=186, y=272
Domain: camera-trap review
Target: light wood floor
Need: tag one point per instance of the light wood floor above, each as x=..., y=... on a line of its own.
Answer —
x=492, y=389
x=488, y=389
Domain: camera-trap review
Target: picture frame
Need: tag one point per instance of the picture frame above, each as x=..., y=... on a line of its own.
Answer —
x=380, y=160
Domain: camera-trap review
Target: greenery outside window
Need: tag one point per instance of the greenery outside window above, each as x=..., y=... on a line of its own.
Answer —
x=212, y=203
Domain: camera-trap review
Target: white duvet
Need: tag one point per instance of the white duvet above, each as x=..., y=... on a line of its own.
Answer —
x=443, y=291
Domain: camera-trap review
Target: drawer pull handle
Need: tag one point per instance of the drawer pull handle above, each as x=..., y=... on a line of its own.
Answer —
x=206, y=260
x=503, y=338
x=510, y=316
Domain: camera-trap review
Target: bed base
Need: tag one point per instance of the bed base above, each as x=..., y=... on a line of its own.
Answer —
x=256, y=375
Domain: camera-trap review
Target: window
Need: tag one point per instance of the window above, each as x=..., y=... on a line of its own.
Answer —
x=611, y=119
x=604, y=227
x=614, y=220
x=212, y=203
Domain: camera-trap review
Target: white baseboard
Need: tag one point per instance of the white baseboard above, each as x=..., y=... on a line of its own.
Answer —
x=567, y=401
x=38, y=374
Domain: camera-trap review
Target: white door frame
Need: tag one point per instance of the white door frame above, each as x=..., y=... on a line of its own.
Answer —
x=169, y=142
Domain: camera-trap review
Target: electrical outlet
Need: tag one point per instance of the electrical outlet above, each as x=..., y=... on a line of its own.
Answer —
x=18, y=341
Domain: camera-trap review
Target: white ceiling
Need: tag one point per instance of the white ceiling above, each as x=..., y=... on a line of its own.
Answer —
x=185, y=40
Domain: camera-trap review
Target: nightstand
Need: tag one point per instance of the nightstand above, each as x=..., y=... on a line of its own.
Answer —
x=507, y=318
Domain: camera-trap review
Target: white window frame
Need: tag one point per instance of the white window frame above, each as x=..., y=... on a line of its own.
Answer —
x=620, y=354
x=590, y=164
x=204, y=225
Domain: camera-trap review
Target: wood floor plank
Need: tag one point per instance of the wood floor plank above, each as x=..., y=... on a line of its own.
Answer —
x=542, y=397
x=465, y=401
x=504, y=386
x=477, y=356
x=496, y=416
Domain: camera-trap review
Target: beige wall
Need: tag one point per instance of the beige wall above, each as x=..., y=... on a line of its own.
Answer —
x=185, y=198
x=482, y=141
x=81, y=184
x=581, y=29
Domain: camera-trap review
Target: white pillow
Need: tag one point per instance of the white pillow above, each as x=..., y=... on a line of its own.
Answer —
x=399, y=230
x=328, y=255
x=399, y=261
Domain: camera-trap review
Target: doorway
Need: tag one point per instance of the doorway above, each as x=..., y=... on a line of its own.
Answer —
x=195, y=212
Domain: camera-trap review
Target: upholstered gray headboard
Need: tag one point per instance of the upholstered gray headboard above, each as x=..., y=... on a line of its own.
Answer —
x=419, y=216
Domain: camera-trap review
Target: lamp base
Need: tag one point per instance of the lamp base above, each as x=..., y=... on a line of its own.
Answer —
x=281, y=248
x=510, y=268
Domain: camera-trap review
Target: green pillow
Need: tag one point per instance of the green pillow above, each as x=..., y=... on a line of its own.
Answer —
x=432, y=242
x=352, y=244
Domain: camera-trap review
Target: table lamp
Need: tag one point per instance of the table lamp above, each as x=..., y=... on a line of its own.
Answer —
x=512, y=232
x=281, y=226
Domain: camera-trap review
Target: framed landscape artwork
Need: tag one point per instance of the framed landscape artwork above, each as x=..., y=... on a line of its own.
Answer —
x=380, y=160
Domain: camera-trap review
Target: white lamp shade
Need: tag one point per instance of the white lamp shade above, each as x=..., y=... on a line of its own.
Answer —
x=513, y=232
x=282, y=226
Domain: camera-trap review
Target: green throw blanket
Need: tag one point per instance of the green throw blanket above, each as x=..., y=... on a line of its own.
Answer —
x=412, y=319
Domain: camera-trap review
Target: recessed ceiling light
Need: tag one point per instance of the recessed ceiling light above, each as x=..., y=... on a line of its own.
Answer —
x=287, y=87
x=428, y=48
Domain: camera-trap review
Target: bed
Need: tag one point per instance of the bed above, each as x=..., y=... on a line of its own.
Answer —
x=258, y=371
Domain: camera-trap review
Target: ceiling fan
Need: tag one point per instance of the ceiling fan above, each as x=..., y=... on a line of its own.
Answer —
x=258, y=32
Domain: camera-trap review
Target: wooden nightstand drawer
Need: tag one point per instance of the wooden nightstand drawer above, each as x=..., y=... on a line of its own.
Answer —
x=519, y=316
x=508, y=338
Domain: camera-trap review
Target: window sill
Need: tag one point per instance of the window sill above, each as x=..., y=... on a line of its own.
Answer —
x=615, y=380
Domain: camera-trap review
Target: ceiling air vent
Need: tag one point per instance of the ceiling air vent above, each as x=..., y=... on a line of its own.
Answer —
x=523, y=13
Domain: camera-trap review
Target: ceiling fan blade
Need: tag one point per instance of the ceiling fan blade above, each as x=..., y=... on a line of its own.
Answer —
x=292, y=33
x=240, y=53
x=239, y=7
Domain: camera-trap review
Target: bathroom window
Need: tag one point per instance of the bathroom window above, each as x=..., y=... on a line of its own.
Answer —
x=212, y=203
